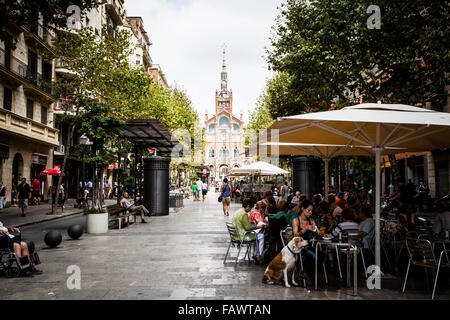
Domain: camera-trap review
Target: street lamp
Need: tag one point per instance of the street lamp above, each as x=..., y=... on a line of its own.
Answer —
x=84, y=140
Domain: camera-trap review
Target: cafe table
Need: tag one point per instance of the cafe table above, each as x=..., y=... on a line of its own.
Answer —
x=349, y=246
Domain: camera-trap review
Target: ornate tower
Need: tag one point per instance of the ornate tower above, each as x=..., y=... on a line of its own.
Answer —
x=224, y=97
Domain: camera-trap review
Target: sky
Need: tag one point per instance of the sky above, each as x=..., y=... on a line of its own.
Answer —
x=187, y=39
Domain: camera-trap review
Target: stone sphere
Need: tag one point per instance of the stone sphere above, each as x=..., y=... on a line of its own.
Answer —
x=30, y=245
x=53, y=238
x=75, y=231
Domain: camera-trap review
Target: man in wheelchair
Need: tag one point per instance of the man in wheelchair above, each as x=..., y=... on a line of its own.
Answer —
x=18, y=251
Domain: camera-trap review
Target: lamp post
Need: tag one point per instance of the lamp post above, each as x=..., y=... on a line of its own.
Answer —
x=84, y=140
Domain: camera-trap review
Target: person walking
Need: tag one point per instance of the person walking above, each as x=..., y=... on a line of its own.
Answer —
x=2, y=194
x=204, y=190
x=284, y=192
x=225, y=193
x=199, y=184
x=24, y=193
x=36, y=188
x=107, y=188
x=13, y=193
x=61, y=196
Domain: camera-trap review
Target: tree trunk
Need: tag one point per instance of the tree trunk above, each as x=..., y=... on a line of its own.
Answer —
x=63, y=168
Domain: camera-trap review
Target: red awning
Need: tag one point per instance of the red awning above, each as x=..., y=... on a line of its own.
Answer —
x=52, y=172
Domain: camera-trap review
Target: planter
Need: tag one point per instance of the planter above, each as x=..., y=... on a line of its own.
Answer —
x=97, y=223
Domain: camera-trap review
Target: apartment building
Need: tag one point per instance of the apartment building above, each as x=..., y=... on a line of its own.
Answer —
x=27, y=132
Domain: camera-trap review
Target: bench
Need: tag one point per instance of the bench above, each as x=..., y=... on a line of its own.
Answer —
x=116, y=212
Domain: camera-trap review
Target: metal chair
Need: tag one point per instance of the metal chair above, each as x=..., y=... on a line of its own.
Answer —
x=235, y=240
x=421, y=254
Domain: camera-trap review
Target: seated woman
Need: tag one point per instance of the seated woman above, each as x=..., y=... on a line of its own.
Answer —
x=272, y=207
x=367, y=225
x=304, y=226
x=296, y=210
x=257, y=218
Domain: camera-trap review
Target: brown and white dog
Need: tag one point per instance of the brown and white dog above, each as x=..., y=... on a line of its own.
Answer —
x=283, y=262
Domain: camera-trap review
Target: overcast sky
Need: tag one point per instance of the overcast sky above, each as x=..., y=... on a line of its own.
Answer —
x=188, y=36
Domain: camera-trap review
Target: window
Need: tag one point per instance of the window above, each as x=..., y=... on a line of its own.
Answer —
x=211, y=153
x=224, y=153
x=138, y=59
x=224, y=122
x=235, y=128
x=30, y=109
x=46, y=71
x=44, y=115
x=7, y=98
x=211, y=128
x=236, y=153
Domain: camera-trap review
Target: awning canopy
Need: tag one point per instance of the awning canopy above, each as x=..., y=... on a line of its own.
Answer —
x=150, y=133
x=259, y=168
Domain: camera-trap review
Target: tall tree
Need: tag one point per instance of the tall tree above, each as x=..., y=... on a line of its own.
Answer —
x=327, y=46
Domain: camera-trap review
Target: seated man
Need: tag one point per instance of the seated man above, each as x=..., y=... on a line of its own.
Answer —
x=131, y=207
x=367, y=225
x=348, y=224
x=19, y=247
x=243, y=224
x=441, y=226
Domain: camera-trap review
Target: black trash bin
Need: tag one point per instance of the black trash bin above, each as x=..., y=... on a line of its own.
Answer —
x=156, y=185
x=306, y=175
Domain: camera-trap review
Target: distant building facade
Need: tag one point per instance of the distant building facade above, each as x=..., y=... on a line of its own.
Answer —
x=224, y=134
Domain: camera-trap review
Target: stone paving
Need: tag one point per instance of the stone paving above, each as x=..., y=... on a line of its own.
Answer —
x=12, y=216
x=179, y=256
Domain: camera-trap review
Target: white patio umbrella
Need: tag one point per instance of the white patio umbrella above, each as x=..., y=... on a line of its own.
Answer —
x=259, y=168
x=377, y=127
x=323, y=151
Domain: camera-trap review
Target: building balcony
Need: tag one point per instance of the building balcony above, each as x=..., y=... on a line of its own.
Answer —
x=147, y=59
x=40, y=37
x=27, y=128
x=17, y=73
x=63, y=69
x=115, y=11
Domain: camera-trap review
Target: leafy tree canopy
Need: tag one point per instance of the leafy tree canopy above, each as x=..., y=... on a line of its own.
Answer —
x=328, y=51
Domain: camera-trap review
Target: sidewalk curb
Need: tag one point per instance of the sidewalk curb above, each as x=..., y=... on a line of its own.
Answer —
x=50, y=219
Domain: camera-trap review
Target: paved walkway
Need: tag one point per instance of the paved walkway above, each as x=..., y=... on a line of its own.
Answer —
x=179, y=256
x=12, y=216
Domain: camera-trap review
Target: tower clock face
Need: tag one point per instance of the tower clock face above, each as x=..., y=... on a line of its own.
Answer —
x=224, y=83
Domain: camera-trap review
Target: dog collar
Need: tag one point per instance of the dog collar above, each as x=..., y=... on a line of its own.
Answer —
x=291, y=250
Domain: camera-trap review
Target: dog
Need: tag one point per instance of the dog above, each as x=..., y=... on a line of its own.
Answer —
x=283, y=262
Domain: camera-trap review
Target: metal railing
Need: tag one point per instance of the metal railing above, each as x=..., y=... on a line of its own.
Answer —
x=40, y=82
x=14, y=64
x=42, y=33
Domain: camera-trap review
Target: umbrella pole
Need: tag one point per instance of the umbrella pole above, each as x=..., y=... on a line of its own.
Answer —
x=327, y=162
x=377, y=206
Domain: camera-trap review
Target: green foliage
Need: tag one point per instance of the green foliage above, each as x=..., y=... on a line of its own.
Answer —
x=93, y=211
x=25, y=12
x=328, y=51
x=96, y=121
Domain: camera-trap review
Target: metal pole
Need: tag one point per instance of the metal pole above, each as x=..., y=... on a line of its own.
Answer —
x=327, y=162
x=377, y=206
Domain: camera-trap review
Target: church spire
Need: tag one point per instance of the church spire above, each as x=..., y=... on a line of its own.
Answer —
x=224, y=75
x=224, y=67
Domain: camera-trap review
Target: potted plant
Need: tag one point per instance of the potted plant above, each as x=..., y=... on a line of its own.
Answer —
x=97, y=220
